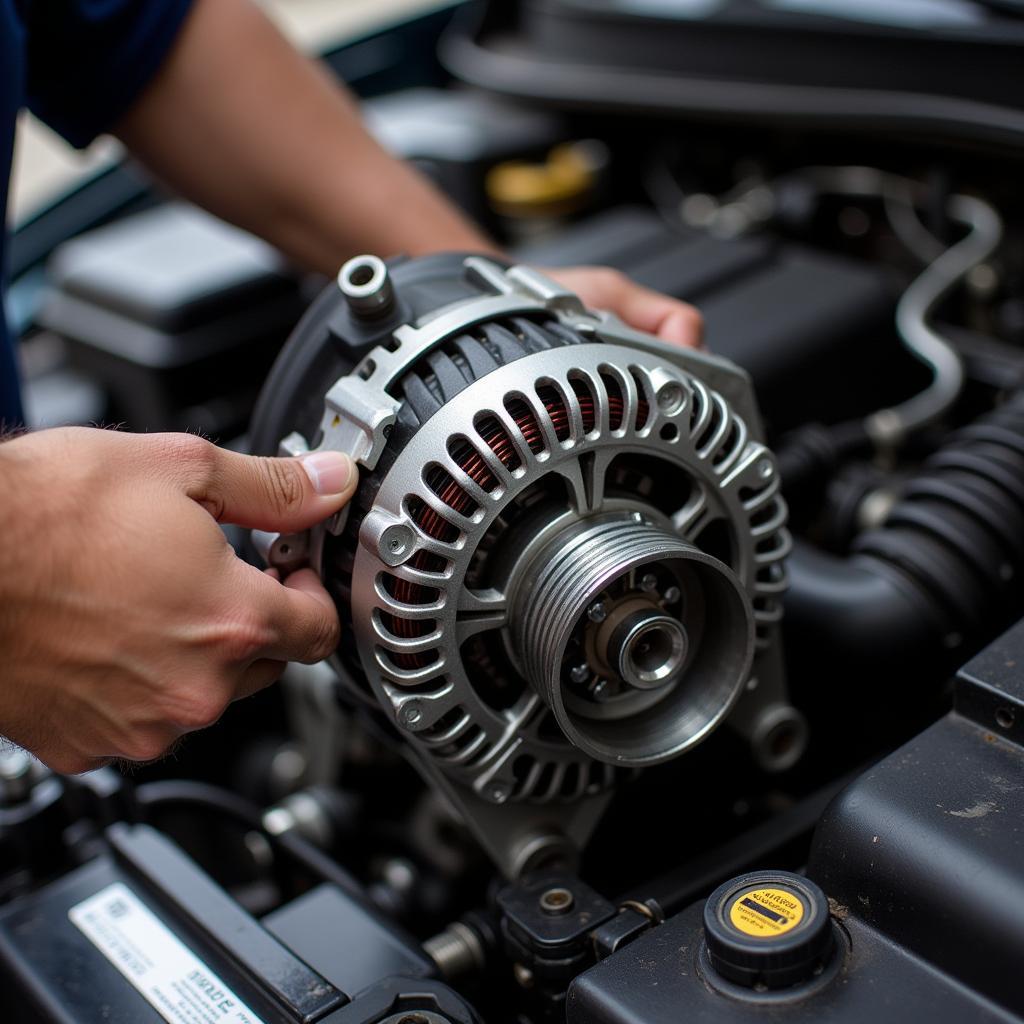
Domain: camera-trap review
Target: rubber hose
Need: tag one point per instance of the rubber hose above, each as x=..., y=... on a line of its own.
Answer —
x=943, y=570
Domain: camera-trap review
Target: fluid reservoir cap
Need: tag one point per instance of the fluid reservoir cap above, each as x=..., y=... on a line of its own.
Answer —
x=769, y=928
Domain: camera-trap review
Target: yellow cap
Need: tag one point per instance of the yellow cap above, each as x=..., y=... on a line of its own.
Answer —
x=559, y=185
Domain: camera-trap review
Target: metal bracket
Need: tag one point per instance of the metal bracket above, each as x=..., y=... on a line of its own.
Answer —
x=520, y=837
x=359, y=410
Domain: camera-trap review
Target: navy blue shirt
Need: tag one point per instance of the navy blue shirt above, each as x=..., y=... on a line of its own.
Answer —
x=78, y=65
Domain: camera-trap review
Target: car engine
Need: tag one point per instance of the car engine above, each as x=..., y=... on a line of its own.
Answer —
x=673, y=683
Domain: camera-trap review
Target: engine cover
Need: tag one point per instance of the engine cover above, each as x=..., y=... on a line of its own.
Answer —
x=566, y=549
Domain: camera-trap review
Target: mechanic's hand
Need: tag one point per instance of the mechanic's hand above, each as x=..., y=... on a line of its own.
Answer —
x=126, y=619
x=641, y=308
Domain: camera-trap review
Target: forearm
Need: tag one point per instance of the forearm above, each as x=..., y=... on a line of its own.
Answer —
x=241, y=123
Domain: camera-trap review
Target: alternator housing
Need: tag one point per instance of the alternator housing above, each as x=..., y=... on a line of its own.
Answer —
x=568, y=542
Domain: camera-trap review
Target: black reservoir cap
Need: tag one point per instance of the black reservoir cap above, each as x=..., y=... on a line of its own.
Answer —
x=768, y=928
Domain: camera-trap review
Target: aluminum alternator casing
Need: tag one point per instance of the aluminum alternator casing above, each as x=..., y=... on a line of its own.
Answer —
x=566, y=551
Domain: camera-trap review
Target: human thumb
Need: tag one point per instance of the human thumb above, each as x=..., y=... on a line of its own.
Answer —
x=281, y=494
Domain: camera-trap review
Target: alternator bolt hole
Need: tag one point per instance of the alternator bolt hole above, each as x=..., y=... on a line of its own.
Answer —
x=669, y=432
x=361, y=274
x=781, y=742
x=1005, y=718
x=556, y=901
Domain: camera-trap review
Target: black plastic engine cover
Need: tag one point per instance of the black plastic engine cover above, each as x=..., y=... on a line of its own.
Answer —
x=928, y=846
x=658, y=980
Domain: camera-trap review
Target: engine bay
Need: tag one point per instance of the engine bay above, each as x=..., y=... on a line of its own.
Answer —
x=673, y=683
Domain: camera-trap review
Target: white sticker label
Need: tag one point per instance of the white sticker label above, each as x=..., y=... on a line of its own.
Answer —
x=175, y=982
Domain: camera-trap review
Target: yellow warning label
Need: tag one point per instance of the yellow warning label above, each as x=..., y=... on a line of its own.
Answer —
x=766, y=913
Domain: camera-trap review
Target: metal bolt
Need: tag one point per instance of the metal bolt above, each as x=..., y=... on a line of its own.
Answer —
x=671, y=398
x=580, y=673
x=399, y=874
x=411, y=713
x=597, y=612
x=649, y=582
x=498, y=793
x=456, y=951
x=556, y=900
x=765, y=469
x=396, y=544
x=523, y=975
x=15, y=775
x=672, y=594
x=15, y=763
x=875, y=507
x=600, y=689
x=416, y=1017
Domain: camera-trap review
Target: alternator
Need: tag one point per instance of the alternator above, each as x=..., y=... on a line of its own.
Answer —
x=567, y=543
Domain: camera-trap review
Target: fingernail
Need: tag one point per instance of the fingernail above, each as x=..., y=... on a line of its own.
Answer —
x=329, y=472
